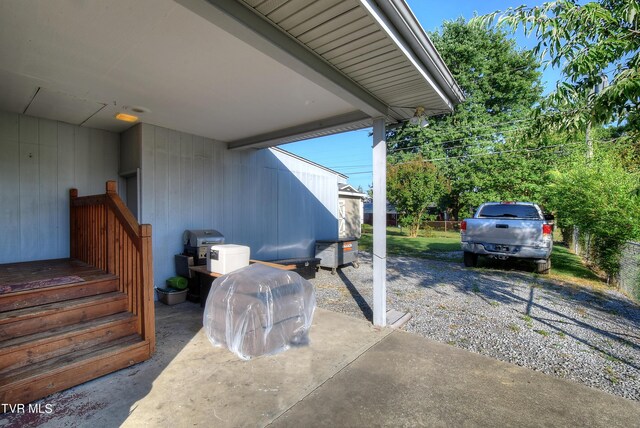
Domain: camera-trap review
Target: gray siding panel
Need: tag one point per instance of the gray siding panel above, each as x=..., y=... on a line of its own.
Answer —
x=186, y=178
x=275, y=204
x=48, y=202
x=9, y=192
x=40, y=161
x=147, y=180
x=81, y=154
x=48, y=189
x=160, y=229
x=30, y=239
x=66, y=173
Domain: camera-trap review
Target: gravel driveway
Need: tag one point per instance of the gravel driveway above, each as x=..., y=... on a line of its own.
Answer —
x=569, y=331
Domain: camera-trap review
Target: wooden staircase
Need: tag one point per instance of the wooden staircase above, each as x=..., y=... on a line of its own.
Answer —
x=53, y=337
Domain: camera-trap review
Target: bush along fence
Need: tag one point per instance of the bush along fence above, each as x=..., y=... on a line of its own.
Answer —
x=627, y=277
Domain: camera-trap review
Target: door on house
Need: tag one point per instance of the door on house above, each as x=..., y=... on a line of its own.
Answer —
x=342, y=218
x=131, y=195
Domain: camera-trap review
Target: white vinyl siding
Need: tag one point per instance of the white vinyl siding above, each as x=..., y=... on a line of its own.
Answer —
x=272, y=202
x=40, y=160
x=275, y=203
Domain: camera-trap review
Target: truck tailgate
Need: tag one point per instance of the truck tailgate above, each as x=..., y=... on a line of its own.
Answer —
x=504, y=231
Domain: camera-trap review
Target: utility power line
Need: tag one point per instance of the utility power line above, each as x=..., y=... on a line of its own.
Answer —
x=442, y=143
x=504, y=152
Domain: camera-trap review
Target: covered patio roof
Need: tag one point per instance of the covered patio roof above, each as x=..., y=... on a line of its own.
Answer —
x=249, y=73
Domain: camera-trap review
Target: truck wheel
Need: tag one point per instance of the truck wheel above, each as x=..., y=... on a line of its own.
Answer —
x=470, y=259
x=543, y=267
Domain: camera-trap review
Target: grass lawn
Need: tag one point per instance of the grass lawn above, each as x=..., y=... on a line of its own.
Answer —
x=438, y=245
x=566, y=265
x=434, y=245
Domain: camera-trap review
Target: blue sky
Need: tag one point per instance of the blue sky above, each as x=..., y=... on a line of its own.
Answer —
x=350, y=152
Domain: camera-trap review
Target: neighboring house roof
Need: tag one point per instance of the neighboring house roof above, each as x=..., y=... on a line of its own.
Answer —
x=368, y=208
x=247, y=73
x=348, y=190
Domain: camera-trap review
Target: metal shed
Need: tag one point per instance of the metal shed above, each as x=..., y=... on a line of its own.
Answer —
x=350, y=211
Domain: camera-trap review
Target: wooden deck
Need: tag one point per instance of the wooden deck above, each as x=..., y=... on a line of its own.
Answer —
x=15, y=277
x=67, y=321
x=37, y=283
x=58, y=333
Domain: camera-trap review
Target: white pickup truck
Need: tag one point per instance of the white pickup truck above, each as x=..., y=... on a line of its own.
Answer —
x=508, y=230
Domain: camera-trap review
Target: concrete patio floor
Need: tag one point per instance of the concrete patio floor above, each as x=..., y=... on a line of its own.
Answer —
x=352, y=374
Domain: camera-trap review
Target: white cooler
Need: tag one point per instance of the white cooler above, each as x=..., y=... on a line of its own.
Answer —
x=225, y=258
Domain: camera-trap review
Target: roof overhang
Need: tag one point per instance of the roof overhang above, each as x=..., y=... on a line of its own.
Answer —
x=248, y=73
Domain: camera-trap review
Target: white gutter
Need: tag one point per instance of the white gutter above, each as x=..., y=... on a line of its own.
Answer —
x=406, y=23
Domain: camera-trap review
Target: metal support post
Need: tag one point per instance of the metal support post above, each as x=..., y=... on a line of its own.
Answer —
x=379, y=223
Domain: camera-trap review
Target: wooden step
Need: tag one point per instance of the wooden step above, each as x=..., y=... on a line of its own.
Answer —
x=34, y=348
x=23, y=322
x=26, y=299
x=36, y=381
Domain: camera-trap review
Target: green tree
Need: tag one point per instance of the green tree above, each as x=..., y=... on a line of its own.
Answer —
x=599, y=197
x=586, y=41
x=473, y=146
x=413, y=186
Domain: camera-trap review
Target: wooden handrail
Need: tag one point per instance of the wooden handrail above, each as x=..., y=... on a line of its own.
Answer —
x=105, y=234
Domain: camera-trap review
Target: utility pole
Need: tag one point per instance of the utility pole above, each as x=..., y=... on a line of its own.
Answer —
x=597, y=88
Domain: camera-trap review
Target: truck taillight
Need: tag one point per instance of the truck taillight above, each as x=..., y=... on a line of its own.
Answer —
x=463, y=225
x=546, y=229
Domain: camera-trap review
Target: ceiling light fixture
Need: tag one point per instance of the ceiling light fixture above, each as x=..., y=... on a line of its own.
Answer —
x=126, y=117
x=419, y=117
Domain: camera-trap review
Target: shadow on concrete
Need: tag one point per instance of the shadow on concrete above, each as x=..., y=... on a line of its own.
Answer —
x=357, y=297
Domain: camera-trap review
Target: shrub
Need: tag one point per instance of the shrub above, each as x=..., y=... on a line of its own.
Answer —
x=601, y=199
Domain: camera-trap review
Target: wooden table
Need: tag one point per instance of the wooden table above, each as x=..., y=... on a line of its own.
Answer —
x=206, y=278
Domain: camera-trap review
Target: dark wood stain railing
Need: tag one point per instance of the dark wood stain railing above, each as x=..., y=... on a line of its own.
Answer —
x=106, y=235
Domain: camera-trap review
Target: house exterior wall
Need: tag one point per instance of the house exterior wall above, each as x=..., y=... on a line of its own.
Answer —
x=40, y=160
x=273, y=203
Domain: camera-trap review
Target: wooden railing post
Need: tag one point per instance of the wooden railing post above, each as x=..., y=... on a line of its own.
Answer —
x=112, y=187
x=148, y=310
x=111, y=240
x=73, y=226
